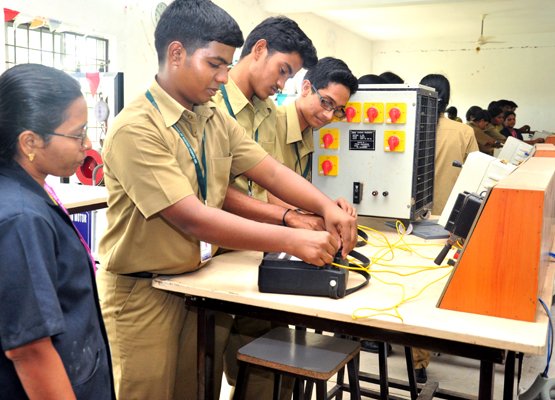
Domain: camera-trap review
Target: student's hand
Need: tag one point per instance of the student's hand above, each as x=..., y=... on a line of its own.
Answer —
x=300, y=219
x=317, y=248
x=343, y=227
x=346, y=206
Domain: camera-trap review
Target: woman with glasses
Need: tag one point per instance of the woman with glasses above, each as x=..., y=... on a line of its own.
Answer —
x=51, y=332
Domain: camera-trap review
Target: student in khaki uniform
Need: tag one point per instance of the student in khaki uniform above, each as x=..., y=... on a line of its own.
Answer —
x=486, y=143
x=168, y=158
x=325, y=91
x=454, y=141
x=274, y=51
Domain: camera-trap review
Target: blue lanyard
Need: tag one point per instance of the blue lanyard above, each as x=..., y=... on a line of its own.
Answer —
x=201, y=178
x=307, y=167
x=230, y=111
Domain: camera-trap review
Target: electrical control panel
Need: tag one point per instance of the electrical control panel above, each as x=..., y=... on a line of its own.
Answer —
x=381, y=156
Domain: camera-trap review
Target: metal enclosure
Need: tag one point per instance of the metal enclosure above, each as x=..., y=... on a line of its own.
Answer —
x=381, y=157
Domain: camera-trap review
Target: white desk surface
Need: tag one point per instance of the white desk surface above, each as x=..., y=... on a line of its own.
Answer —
x=234, y=277
x=75, y=196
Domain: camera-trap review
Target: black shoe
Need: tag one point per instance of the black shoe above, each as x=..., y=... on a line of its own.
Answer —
x=374, y=347
x=421, y=376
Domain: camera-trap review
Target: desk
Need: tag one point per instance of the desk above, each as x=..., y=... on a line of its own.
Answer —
x=80, y=198
x=229, y=283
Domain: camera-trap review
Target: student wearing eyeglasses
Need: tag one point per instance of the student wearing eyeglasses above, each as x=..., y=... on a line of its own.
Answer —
x=325, y=91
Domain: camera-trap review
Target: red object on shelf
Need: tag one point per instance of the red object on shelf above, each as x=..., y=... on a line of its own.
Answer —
x=9, y=15
x=350, y=113
x=393, y=142
x=85, y=172
x=394, y=114
x=328, y=140
x=372, y=114
x=327, y=167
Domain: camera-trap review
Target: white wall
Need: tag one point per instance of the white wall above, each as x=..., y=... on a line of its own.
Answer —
x=128, y=25
x=522, y=69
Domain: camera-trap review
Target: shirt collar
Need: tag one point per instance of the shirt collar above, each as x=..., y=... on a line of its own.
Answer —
x=15, y=171
x=238, y=100
x=294, y=133
x=172, y=111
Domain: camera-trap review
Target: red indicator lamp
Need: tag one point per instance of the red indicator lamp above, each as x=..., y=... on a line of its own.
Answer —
x=326, y=167
x=393, y=142
x=328, y=140
x=350, y=113
x=372, y=114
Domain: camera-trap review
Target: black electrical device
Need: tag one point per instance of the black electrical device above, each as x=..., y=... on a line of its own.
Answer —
x=286, y=274
x=460, y=220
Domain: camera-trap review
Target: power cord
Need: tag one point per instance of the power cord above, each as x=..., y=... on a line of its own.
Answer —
x=541, y=388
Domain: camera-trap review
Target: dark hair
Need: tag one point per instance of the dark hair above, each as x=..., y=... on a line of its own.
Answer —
x=283, y=35
x=481, y=115
x=452, y=112
x=507, y=114
x=371, y=79
x=506, y=103
x=495, y=110
x=33, y=97
x=332, y=70
x=441, y=84
x=473, y=112
x=391, y=77
x=195, y=23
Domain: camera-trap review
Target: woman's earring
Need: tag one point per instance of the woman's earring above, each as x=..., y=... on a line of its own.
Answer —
x=31, y=156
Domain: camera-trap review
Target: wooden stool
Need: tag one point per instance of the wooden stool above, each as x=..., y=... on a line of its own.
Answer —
x=306, y=356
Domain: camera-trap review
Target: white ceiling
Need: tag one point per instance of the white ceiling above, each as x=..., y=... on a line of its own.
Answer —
x=384, y=20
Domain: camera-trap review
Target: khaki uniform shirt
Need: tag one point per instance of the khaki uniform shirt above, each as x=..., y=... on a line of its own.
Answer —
x=485, y=142
x=261, y=115
x=148, y=168
x=295, y=148
x=495, y=132
x=454, y=141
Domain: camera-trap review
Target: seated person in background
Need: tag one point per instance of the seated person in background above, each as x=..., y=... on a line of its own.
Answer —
x=471, y=113
x=371, y=79
x=493, y=128
x=454, y=141
x=486, y=143
x=391, y=77
x=509, y=129
x=452, y=114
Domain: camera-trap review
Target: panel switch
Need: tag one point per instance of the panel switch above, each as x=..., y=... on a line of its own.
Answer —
x=357, y=192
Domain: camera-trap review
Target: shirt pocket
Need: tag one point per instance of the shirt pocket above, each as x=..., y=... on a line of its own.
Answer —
x=219, y=172
x=269, y=147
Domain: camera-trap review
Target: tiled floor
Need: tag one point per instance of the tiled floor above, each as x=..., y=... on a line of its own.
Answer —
x=451, y=372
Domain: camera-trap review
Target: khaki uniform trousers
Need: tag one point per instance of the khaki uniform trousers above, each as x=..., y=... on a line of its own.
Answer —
x=152, y=338
x=420, y=358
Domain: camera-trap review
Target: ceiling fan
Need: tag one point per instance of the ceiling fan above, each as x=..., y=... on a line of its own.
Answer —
x=482, y=40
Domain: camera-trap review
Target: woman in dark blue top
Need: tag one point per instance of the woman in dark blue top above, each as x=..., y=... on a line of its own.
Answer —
x=51, y=332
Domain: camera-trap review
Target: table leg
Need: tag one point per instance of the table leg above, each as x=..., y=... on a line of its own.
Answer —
x=509, y=378
x=485, y=391
x=384, y=377
x=206, y=328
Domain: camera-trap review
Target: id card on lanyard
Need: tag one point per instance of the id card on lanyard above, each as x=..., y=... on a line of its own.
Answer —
x=205, y=247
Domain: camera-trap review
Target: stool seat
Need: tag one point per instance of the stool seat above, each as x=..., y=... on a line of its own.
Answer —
x=306, y=355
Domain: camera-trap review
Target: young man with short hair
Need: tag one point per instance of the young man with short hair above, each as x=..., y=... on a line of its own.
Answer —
x=167, y=158
x=325, y=91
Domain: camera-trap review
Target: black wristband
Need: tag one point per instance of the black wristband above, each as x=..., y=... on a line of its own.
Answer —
x=284, y=214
